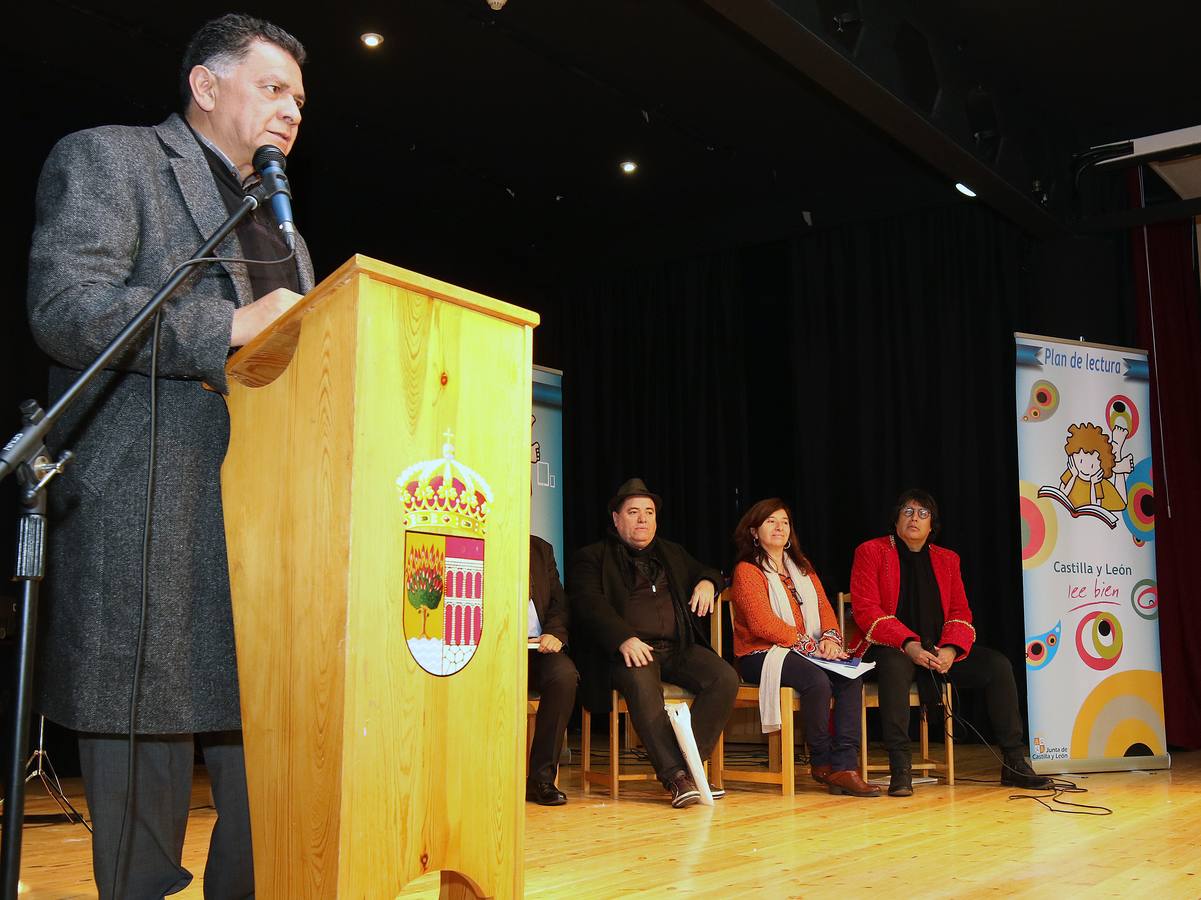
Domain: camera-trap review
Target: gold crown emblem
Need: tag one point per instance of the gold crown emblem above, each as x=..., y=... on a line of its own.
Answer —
x=444, y=493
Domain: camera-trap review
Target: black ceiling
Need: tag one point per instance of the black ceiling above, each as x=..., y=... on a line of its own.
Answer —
x=483, y=146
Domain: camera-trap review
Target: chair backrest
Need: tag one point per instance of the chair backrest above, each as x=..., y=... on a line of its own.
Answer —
x=846, y=620
x=721, y=608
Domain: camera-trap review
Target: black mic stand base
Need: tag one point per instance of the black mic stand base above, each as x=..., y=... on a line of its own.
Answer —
x=40, y=766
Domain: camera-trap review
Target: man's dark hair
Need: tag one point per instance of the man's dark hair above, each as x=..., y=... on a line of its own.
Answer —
x=921, y=498
x=226, y=41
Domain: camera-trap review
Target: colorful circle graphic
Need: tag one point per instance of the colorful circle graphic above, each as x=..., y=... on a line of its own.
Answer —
x=1041, y=649
x=1105, y=638
x=1120, y=410
x=1140, y=502
x=1122, y=712
x=1044, y=400
x=1039, y=528
x=1144, y=597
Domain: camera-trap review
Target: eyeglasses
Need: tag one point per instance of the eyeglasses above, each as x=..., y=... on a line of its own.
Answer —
x=922, y=512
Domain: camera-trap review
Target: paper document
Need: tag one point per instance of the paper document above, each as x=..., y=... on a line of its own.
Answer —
x=848, y=668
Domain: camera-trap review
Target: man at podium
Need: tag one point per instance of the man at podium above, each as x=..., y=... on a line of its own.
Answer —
x=117, y=209
x=638, y=603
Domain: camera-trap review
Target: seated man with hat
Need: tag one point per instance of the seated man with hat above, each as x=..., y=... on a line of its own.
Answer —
x=637, y=604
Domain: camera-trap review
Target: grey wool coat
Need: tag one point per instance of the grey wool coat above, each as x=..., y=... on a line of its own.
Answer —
x=117, y=209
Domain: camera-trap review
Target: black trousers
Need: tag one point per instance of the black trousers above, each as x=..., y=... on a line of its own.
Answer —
x=554, y=677
x=816, y=686
x=984, y=668
x=162, y=793
x=694, y=668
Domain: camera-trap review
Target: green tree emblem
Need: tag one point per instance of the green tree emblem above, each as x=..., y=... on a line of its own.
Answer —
x=424, y=584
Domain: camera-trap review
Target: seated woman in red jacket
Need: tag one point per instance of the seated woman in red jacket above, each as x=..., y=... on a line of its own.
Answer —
x=908, y=598
x=782, y=620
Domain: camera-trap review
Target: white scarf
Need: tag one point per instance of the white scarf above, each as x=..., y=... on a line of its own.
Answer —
x=770, y=714
x=810, y=609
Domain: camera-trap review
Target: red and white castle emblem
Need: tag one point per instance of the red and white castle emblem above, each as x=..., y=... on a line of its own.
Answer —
x=445, y=517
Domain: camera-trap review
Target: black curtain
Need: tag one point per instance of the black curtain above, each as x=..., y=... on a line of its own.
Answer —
x=832, y=370
x=653, y=387
x=904, y=378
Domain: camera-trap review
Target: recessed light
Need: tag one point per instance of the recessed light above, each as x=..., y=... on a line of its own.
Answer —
x=964, y=189
x=629, y=167
x=371, y=39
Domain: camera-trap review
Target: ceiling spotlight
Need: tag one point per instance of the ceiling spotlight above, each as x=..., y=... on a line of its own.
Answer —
x=964, y=189
x=371, y=39
x=497, y=4
x=629, y=167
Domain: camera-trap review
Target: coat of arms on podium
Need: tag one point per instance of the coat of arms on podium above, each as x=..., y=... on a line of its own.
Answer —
x=445, y=517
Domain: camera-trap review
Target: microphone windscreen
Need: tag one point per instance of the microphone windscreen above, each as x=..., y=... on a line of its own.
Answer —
x=268, y=154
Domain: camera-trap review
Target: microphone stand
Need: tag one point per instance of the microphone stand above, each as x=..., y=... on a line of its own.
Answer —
x=26, y=455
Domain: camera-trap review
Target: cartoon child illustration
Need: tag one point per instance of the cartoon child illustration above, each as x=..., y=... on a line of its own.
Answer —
x=1093, y=463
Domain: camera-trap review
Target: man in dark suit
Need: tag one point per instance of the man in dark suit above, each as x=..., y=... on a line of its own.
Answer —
x=552, y=674
x=117, y=209
x=637, y=603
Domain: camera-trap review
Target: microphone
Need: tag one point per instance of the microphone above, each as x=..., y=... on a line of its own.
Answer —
x=270, y=163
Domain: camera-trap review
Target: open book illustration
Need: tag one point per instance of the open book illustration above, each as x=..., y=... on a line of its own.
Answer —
x=1089, y=509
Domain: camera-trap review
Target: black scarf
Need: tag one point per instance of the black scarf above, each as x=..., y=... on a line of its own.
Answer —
x=650, y=565
x=920, y=603
x=920, y=607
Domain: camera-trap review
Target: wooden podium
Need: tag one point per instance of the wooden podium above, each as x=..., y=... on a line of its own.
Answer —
x=377, y=505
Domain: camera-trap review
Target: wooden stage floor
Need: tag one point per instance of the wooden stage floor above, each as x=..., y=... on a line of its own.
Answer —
x=969, y=840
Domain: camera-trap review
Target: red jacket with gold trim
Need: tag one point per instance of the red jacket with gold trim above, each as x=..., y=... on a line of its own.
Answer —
x=876, y=588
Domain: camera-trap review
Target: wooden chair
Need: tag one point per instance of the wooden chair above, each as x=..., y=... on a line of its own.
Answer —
x=781, y=745
x=614, y=776
x=871, y=698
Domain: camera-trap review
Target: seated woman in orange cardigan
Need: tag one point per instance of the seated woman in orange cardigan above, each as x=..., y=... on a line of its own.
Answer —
x=781, y=619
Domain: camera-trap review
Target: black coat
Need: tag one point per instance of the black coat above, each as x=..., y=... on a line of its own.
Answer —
x=599, y=582
x=117, y=209
x=550, y=600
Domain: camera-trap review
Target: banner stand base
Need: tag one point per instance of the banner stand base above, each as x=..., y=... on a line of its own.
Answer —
x=1102, y=764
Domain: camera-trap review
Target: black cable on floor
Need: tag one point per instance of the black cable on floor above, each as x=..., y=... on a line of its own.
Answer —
x=1060, y=787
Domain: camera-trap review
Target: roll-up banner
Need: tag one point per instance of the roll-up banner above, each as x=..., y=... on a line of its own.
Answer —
x=546, y=457
x=1087, y=501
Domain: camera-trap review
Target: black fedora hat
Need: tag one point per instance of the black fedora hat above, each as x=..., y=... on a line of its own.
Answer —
x=634, y=487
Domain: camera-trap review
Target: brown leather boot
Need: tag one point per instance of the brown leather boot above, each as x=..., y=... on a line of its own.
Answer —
x=820, y=774
x=849, y=782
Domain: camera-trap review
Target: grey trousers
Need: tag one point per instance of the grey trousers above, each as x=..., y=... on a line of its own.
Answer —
x=162, y=792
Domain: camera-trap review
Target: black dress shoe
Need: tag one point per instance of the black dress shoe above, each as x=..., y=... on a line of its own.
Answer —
x=544, y=793
x=1016, y=772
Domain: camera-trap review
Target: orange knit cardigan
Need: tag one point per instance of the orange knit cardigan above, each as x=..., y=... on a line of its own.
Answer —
x=756, y=626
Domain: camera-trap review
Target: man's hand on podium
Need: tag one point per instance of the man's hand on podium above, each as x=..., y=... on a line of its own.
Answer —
x=251, y=320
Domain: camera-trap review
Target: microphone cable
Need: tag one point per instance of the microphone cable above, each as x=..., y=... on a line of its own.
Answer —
x=151, y=465
x=1060, y=786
